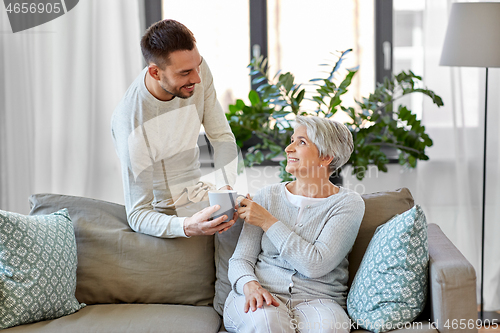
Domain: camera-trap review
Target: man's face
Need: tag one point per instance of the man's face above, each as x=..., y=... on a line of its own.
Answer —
x=182, y=73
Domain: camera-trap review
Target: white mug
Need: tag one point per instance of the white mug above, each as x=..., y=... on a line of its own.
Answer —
x=226, y=199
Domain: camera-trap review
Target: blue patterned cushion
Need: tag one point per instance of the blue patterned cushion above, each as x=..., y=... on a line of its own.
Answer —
x=390, y=287
x=37, y=267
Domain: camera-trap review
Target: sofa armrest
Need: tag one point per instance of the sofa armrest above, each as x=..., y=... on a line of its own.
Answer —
x=452, y=283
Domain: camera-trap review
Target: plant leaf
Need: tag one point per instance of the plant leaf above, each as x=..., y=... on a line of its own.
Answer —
x=253, y=96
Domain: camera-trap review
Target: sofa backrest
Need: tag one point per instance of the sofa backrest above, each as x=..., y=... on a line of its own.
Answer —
x=379, y=208
x=118, y=265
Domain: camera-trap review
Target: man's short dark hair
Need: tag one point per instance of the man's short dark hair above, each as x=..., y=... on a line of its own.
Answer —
x=163, y=38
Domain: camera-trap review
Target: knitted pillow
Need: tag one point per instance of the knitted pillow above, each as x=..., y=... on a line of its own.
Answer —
x=390, y=287
x=37, y=268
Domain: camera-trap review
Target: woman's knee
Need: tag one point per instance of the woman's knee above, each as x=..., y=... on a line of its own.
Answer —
x=321, y=316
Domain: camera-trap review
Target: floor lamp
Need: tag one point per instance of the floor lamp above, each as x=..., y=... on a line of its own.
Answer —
x=473, y=39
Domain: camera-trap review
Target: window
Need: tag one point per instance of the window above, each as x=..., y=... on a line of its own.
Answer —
x=221, y=29
x=300, y=38
x=303, y=35
x=408, y=27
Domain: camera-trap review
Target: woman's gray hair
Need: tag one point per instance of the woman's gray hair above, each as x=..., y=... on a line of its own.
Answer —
x=330, y=137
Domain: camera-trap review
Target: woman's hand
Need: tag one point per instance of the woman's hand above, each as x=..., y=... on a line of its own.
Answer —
x=255, y=214
x=255, y=296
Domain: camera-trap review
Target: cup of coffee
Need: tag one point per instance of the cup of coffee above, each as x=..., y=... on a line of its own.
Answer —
x=226, y=199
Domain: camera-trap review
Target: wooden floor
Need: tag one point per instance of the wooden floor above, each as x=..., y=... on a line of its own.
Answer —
x=493, y=325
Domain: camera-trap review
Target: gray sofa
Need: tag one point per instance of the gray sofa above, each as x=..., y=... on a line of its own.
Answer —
x=137, y=283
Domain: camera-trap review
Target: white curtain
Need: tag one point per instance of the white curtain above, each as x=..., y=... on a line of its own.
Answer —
x=449, y=185
x=59, y=85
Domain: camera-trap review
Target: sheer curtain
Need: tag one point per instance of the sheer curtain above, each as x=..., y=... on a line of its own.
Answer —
x=59, y=85
x=449, y=185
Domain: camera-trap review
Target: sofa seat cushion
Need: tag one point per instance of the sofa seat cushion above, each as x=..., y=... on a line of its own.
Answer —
x=118, y=265
x=130, y=318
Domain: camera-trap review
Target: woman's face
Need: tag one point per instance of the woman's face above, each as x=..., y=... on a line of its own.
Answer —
x=303, y=159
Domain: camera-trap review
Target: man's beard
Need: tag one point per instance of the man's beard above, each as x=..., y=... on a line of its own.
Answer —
x=178, y=94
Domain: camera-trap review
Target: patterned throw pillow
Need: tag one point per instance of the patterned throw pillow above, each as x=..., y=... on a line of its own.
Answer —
x=390, y=287
x=37, y=268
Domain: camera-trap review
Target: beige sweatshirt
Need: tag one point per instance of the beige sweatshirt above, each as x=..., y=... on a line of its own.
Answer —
x=156, y=142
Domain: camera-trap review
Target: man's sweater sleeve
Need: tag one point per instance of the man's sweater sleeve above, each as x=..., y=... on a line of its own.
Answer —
x=219, y=134
x=138, y=190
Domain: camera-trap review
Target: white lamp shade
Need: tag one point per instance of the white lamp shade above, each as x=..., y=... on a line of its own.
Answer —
x=473, y=35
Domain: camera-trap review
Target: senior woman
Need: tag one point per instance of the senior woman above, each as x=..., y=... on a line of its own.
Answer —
x=289, y=270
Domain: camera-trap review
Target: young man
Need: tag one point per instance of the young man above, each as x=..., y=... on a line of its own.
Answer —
x=155, y=130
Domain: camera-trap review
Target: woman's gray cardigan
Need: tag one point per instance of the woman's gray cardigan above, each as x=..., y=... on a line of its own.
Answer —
x=300, y=259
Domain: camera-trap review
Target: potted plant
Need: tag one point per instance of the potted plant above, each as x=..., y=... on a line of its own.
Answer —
x=374, y=122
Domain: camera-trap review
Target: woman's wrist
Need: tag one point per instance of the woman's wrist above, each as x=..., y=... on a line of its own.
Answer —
x=247, y=287
x=269, y=224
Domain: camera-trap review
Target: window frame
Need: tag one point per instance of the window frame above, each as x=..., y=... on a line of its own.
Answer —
x=152, y=12
x=383, y=34
x=259, y=40
x=258, y=31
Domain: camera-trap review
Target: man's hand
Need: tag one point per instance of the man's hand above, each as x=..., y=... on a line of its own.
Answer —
x=199, y=224
x=255, y=296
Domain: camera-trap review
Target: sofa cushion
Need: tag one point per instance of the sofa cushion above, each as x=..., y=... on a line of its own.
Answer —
x=390, y=287
x=130, y=318
x=118, y=265
x=37, y=267
x=380, y=207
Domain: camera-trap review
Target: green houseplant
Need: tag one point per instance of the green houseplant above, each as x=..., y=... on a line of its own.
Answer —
x=374, y=121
